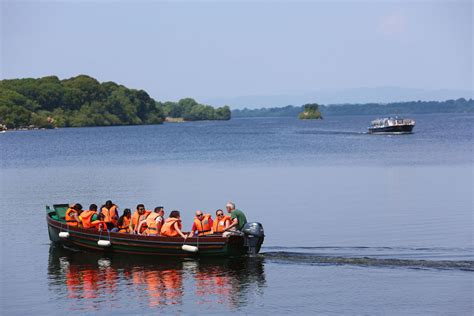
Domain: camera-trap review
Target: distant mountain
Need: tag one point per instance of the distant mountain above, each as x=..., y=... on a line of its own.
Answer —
x=346, y=96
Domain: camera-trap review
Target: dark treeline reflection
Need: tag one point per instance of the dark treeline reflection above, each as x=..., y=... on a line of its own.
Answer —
x=92, y=282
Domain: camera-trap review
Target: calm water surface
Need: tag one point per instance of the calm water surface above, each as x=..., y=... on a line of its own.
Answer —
x=355, y=223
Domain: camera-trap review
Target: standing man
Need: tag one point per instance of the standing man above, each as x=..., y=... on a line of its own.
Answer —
x=238, y=219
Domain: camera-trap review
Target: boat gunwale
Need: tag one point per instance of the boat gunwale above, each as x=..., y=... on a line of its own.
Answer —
x=139, y=240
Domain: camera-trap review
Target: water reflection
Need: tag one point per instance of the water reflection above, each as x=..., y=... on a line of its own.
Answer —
x=91, y=282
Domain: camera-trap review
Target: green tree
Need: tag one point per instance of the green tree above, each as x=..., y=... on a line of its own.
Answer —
x=223, y=113
x=50, y=95
x=90, y=88
x=14, y=116
x=73, y=98
x=42, y=120
x=173, y=109
x=187, y=105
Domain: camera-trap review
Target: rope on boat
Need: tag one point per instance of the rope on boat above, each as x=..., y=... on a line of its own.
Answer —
x=64, y=234
x=190, y=248
x=104, y=243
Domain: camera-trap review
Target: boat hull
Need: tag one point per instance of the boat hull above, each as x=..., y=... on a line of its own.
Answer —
x=87, y=239
x=399, y=129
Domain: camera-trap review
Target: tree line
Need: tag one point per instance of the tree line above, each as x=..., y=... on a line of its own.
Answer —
x=399, y=108
x=83, y=101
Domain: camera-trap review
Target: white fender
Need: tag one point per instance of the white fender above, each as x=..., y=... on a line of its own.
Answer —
x=64, y=234
x=104, y=243
x=189, y=248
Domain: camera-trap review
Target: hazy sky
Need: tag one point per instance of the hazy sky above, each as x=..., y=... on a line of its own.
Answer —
x=205, y=49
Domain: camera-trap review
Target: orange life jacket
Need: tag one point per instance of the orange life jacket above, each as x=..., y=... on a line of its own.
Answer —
x=100, y=225
x=124, y=228
x=218, y=226
x=152, y=225
x=168, y=227
x=111, y=215
x=86, y=217
x=70, y=220
x=137, y=218
x=203, y=227
x=134, y=220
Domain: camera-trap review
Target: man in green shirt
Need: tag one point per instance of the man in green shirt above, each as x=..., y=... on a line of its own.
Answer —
x=238, y=217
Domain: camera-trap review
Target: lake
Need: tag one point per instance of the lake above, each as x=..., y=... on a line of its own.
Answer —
x=354, y=223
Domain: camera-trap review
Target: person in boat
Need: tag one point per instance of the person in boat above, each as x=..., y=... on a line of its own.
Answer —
x=222, y=222
x=100, y=223
x=72, y=215
x=172, y=226
x=110, y=212
x=138, y=216
x=238, y=219
x=154, y=222
x=202, y=224
x=87, y=217
x=123, y=224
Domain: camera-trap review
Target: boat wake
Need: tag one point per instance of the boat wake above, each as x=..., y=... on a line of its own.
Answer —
x=410, y=258
x=329, y=132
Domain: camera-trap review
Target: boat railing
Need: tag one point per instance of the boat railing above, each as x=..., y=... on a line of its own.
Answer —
x=391, y=122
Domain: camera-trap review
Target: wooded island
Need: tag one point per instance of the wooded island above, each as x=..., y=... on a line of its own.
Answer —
x=49, y=102
x=310, y=112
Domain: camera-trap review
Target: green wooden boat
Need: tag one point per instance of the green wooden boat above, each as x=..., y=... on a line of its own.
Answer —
x=246, y=243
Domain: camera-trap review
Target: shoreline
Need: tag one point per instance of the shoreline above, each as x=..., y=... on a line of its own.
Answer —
x=166, y=120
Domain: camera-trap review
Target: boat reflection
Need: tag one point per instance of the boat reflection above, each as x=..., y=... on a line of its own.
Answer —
x=91, y=282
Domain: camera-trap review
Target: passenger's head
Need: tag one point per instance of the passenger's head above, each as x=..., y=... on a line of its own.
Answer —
x=141, y=208
x=175, y=214
x=108, y=203
x=93, y=207
x=127, y=212
x=230, y=207
x=199, y=214
x=101, y=217
x=160, y=210
x=219, y=213
x=78, y=207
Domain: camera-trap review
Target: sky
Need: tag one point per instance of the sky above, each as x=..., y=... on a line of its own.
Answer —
x=246, y=53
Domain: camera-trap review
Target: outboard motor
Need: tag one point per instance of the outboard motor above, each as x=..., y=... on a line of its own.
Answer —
x=254, y=236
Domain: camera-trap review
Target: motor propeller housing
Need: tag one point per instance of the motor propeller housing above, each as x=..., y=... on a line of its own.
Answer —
x=254, y=235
